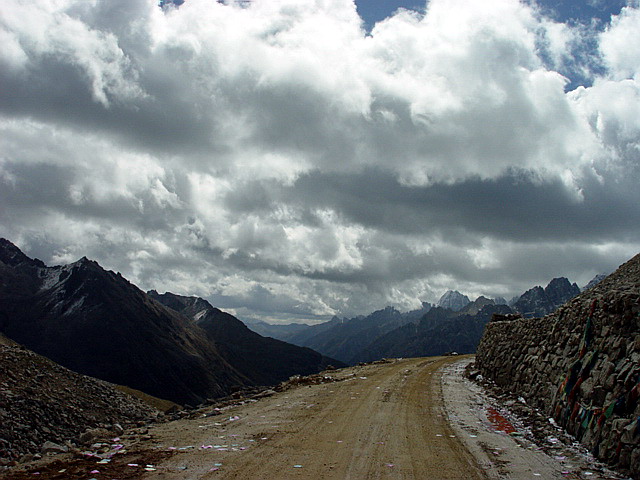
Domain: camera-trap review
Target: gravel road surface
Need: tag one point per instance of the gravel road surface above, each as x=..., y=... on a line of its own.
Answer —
x=380, y=421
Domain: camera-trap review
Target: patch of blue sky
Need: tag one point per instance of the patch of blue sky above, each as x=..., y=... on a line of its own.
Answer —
x=373, y=11
x=566, y=11
x=596, y=12
x=581, y=63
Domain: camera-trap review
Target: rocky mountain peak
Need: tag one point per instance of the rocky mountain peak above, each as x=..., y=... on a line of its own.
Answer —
x=196, y=308
x=453, y=300
x=482, y=300
x=477, y=305
x=560, y=290
x=13, y=256
x=500, y=301
x=86, y=263
x=594, y=281
x=538, y=301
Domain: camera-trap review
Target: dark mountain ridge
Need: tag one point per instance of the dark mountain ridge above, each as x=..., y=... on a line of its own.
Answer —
x=263, y=360
x=440, y=331
x=345, y=338
x=97, y=323
x=539, y=301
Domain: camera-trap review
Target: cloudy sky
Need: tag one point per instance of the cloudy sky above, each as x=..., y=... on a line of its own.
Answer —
x=288, y=160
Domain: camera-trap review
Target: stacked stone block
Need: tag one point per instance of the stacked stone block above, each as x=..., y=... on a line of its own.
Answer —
x=580, y=365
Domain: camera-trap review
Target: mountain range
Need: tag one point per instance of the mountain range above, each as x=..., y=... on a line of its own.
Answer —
x=97, y=323
x=438, y=332
x=345, y=338
x=183, y=349
x=454, y=324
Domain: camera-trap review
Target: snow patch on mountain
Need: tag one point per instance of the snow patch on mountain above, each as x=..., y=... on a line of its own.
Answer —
x=75, y=306
x=453, y=300
x=50, y=277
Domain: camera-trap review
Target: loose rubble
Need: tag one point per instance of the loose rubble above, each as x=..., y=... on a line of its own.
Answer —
x=46, y=409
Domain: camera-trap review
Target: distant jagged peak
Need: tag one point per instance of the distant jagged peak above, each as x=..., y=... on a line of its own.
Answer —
x=477, y=305
x=84, y=261
x=500, y=301
x=453, y=300
x=560, y=283
x=538, y=301
x=594, y=281
x=484, y=300
x=560, y=290
x=11, y=255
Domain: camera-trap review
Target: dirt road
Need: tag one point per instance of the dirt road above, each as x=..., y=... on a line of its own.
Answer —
x=405, y=419
x=380, y=421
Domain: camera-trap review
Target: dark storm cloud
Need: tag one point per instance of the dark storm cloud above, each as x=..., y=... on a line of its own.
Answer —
x=518, y=206
x=159, y=121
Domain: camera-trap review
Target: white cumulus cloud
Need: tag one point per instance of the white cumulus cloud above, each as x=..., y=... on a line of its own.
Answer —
x=280, y=160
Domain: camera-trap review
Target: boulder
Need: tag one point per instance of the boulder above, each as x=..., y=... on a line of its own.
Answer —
x=53, y=448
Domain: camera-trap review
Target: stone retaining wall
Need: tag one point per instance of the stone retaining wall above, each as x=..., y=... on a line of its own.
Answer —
x=580, y=365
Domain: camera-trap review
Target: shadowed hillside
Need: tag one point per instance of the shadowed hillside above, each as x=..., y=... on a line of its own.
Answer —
x=263, y=360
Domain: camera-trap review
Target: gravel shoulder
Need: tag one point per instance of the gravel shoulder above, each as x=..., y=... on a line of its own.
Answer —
x=509, y=439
